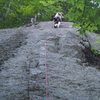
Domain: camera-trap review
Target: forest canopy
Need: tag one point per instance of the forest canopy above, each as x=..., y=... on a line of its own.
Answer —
x=84, y=13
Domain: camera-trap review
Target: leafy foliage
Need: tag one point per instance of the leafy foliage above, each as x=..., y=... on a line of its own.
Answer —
x=84, y=13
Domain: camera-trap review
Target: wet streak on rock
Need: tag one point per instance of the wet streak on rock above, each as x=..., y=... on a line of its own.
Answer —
x=7, y=48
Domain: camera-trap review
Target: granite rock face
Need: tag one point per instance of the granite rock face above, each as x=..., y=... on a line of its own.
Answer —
x=46, y=52
x=91, y=47
x=94, y=40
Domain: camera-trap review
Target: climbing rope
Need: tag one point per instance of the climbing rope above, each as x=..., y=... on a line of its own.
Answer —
x=46, y=72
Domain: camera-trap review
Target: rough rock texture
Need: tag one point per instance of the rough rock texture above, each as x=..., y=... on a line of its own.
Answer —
x=22, y=77
x=9, y=41
x=94, y=40
x=91, y=47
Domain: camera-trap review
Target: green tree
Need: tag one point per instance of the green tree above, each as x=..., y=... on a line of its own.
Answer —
x=85, y=14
